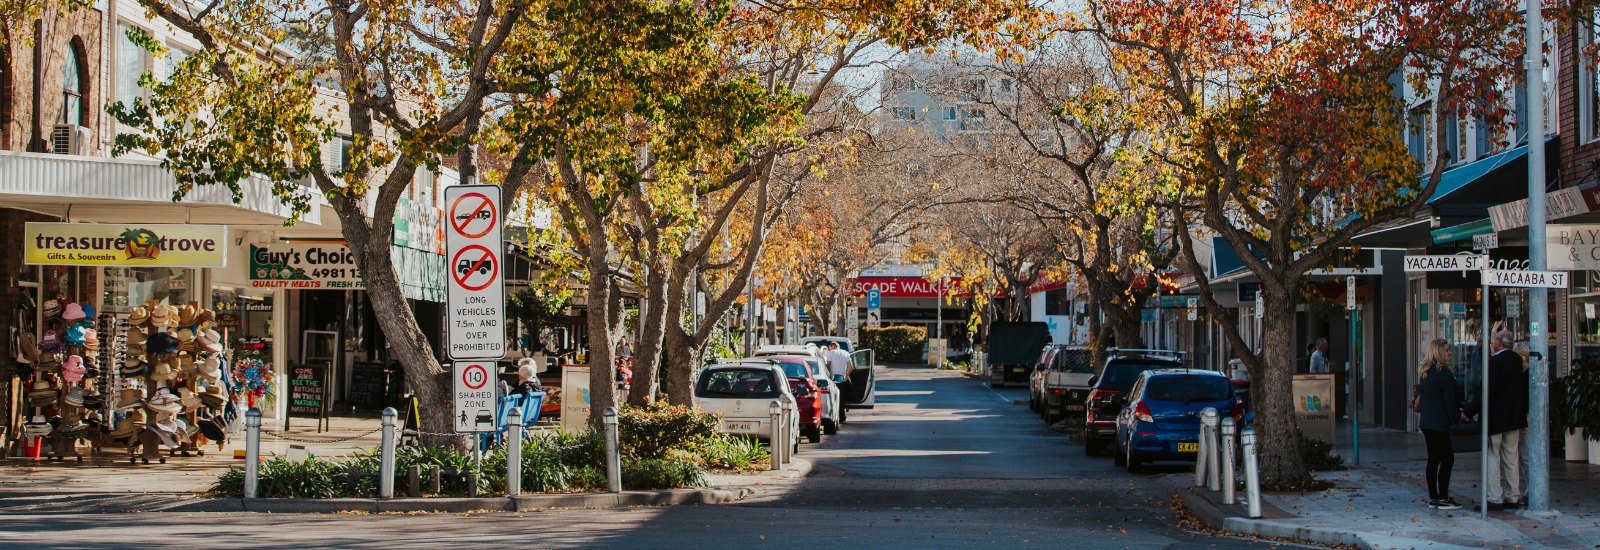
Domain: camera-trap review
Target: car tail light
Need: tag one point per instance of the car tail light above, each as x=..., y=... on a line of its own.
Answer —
x=1101, y=394
x=1142, y=412
x=1238, y=412
x=1055, y=390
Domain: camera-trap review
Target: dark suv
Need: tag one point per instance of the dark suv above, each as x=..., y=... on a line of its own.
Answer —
x=1121, y=370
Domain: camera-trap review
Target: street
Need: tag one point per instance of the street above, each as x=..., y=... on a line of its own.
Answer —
x=944, y=461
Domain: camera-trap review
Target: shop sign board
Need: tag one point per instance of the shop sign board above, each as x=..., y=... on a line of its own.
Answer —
x=1446, y=262
x=474, y=397
x=475, y=291
x=132, y=245
x=1314, y=405
x=1573, y=247
x=308, y=387
x=304, y=265
x=574, y=398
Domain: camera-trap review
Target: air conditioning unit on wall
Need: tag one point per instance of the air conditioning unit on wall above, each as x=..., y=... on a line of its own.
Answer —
x=70, y=139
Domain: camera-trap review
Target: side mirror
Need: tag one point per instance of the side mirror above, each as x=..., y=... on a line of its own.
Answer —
x=802, y=391
x=822, y=382
x=1094, y=379
x=838, y=378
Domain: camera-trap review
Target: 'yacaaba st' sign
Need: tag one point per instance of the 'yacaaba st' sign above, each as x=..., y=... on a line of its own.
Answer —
x=134, y=245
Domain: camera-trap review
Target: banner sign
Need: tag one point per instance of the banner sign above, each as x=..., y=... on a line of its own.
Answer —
x=1573, y=247
x=905, y=287
x=304, y=265
x=133, y=245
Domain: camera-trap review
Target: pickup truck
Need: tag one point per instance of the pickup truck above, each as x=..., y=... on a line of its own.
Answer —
x=1060, y=381
x=1013, y=348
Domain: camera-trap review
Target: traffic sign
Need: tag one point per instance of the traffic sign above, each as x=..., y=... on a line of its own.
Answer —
x=1350, y=292
x=474, y=398
x=874, y=299
x=1194, y=309
x=1486, y=241
x=1526, y=279
x=1449, y=262
x=475, y=294
x=874, y=318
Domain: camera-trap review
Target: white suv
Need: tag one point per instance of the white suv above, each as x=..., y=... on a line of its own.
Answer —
x=743, y=393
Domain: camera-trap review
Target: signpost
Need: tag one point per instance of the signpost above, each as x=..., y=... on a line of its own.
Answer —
x=475, y=294
x=1523, y=279
x=1449, y=262
x=474, y=397
x=874, y=308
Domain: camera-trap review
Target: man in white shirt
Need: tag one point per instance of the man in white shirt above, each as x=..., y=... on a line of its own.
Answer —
x=838, y=361
x=1319, y=358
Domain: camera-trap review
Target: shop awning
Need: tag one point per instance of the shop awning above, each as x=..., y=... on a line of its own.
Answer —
x=123, y=190
x=1463, y=197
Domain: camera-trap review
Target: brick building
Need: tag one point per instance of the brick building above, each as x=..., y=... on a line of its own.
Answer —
x=51, y=72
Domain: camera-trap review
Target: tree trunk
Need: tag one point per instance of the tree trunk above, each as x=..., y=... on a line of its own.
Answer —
x=1272, y=392
x=1126, y=327
x=647, y=354
x=602, y=338
x=682, y=360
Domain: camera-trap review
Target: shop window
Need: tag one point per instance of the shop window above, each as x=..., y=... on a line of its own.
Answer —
x=245, y=320
x=1057, y=302
x=126, y=287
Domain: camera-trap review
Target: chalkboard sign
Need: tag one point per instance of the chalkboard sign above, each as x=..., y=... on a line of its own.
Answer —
x=369, y=385
x=308, y=391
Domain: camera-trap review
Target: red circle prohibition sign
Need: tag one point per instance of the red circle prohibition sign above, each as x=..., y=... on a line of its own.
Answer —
x=466, y=377
x=461, y=270
x=484, y=210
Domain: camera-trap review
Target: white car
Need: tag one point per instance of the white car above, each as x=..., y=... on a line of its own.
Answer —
x=744, y=393
x=832, y=400
x=807, y=350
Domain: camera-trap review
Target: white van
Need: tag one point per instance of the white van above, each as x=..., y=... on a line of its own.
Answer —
x=743, y=393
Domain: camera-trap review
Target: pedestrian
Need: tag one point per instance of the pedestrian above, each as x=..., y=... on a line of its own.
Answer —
x=838, y=362
x=527, y=376
x=1319, y=358
x=1506, y=414
x=1441, y=408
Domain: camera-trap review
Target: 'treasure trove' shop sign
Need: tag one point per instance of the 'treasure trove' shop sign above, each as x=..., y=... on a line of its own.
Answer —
x=133, y=245
x=304, y=265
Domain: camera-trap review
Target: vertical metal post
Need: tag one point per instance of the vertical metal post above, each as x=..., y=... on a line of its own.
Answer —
x=434, y=475
x=1252, y=479
x=791, y=426
x=514, y=452
x=775, y=420
x=1353, y=380
x=1208, y=424
x=386, y=456
x=749, y=318
x=613, y=460
x=414, y=481
x=1483, y=398
x=1200, y=457
x=252, y=450
x=1538, y=299
x=1227, y=444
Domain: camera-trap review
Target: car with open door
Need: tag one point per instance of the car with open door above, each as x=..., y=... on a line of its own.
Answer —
x=1101, y=406
x=1161, y=416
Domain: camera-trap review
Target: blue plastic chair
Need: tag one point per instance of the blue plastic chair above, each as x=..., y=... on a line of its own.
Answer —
x=528, y=403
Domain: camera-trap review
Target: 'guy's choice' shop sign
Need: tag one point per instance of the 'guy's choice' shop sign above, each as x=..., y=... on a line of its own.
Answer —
x=137, y=245
x=304, y=265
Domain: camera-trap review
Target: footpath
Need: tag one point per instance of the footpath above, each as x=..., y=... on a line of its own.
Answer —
x=109, y=483
x=1382, y=504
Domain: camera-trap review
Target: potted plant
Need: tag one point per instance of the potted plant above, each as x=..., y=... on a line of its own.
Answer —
x=1571, y=439
x=1582, y=403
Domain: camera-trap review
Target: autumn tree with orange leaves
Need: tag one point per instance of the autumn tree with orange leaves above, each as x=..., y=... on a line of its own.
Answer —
x=1260, y=112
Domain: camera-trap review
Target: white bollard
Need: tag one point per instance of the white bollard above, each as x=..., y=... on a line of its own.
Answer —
x=775, y=419
x=1226, y=443
x=1252, y=480
x=613, y=454
x=514, y=452
x=386, y=456
x=252, y=450
x=1208, y=423
x=791, y=428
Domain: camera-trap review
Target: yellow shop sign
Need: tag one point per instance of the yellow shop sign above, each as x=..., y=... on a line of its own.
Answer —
x=147, y=244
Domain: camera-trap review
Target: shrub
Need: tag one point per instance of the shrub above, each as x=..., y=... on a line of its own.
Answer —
x=1318, y=455
x=542, y=469
x=587, y=477
x=649, y=473
x=728, y=451
x=280, y=477
x=655, y=429
x=587, y=448
x=896, y=344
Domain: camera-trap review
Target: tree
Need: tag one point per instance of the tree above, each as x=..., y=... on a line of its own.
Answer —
x=1277, y=127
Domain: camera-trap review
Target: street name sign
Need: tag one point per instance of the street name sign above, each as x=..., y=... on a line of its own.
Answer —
x=1526, y=279
x=473, y=394
x=1446, y=262
x=475, y=295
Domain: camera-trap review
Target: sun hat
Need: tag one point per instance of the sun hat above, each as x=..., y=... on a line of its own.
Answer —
x=161, y=343
x=160, y=371
x=210, y=367
x=90, y=337
x=72, y=312
x=75, y=397
x=49, y=362
x=185, y=335
x=135, y=336
x=205, y=319
x=172, y=316
x=130, y=398
x=88, y=312
x=186, y=316
x=187, y=398
x=43, y=392
x=214, y=397
x=133, y=366
x=138, y=316
x=51, y=340
x=135, y=349
x=73, y=369
x=52, y=310
x=208, y=342
x=73, y=335
x=37, y=427
x=164, y=401
x=93, y=400
x=159, y=315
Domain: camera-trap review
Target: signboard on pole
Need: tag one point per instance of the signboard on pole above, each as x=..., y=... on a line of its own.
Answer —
x=1350, y=292
x=874, y=318
x=1526, y=279
x=874, y=308
x=1446, y=262
x=474, y=397
x=475, y=293
x=1486, y=241
x=874, y=299
x=1194, y=309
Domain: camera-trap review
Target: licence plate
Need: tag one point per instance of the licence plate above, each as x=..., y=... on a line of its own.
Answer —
x=1074, y=407
x=740, y=426
x=1188, y=447
x=1018, y=370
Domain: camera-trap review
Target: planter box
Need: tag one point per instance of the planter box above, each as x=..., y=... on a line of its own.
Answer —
x=1577, y=447
x=1594, y=452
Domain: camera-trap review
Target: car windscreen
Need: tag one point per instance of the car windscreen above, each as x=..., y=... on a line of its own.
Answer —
x=1078, y=361
x=816, y=368
x=822, y=344
x=1121, y=376
x=1188, y=388
x=738, y=383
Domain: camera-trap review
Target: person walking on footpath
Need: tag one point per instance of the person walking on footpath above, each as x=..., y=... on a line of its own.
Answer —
x=1319, y=358
x=1506, y=414
x=1439, y=401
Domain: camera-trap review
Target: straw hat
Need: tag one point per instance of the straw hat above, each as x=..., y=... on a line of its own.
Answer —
x=37, y=427
x=49, y=362
x=159, y=315
x=43, y=391
x=132, y=367
x=186, y=316
x=210, y=368
x=135, y=336
x=160, y=371
x=74, y=397
x=30, y=346
x=130, y=398
x=135, y=349
x=214, y=397
x=72, y=312
x=185, y=335
x=164, y=401
x=187, y=398
x=208, y=341
x=139, y=316
x=205, y=319
x=52, y=310
x=172, y=316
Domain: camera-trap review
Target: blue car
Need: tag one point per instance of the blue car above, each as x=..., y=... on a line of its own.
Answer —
x=1160, y=418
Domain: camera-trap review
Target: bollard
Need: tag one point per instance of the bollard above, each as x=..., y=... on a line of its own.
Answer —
x=386, y=456
x=252, y=450
x=1227, y=445
x=791, y=429
x=1208, y=424
x=414, y=477
x=1202, y=450
x=433, y=479
x=1252, y=481
x=775, y=420
x=514, y=452
x=472, y=484
x=613, y=460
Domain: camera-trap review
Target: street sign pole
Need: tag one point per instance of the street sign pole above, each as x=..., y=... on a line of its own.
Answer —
x=1538, y=305
x=1353, y=377
x=1538, y=283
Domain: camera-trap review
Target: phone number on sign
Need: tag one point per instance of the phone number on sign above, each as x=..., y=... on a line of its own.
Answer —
x=335, y=273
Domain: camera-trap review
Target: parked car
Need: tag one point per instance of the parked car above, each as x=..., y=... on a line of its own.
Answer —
x=828, y=400
x=858, y=389
x=808, y=350
x=1059, y=384
x=1122, y=368
x=743, y=394
x=1161, y=419
x=1013, y=348
x=808, y=397
x=822, y=342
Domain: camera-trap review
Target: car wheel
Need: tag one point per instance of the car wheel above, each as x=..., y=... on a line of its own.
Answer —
x=830, y=427
x=813, y=434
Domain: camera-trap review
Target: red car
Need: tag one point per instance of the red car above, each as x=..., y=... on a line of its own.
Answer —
x=808, y=396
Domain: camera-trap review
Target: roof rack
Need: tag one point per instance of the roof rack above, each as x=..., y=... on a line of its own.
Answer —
x=1148, y=351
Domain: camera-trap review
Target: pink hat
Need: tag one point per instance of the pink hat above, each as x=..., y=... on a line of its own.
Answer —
x=73, y=311
x=72, y=370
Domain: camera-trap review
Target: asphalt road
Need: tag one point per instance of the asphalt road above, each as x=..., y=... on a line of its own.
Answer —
x=942, y=462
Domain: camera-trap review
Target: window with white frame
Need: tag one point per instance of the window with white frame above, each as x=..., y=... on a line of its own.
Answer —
x=950, y=113
x=132, y=61
x=1421, y=139
x=175, y=57
x=908, y=114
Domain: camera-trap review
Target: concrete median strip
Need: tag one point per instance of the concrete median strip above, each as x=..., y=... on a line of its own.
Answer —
x=1229, y=518
x=519, y=503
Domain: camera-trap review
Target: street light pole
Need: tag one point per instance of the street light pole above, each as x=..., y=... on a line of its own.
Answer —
x=1538, y=304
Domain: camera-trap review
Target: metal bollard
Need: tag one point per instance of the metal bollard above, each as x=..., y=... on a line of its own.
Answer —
x=414, y=481
x=252, y=450
x=613, y=458
x=386, y=456
x=1203, y=451
x=1227, y=444
x=472, y=484
x=775, y=419
x=514, y=452
x=1252, y=481
x=434, y=479
x=1208, y=423
x=791, y=428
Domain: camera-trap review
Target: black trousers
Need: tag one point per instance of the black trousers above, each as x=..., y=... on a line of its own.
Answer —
x=1441, y=458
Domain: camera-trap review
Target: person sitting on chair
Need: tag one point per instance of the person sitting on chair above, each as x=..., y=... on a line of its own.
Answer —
x=527, y=376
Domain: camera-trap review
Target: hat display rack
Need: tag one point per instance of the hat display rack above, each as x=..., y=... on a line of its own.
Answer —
x=170, y=393
x=64, y=380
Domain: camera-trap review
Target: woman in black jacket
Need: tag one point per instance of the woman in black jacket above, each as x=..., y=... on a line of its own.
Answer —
x=1441, y=408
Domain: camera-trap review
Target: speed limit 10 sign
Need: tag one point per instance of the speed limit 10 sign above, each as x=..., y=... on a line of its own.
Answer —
x=475, y=290
x=474, y=397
